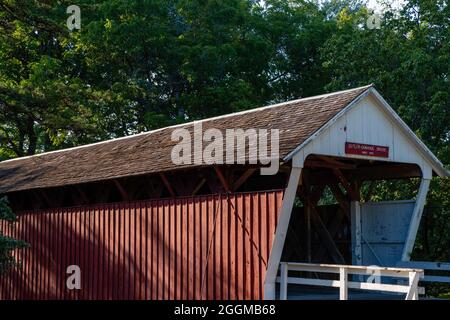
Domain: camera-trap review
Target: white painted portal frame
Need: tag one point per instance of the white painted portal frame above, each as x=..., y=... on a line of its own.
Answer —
x=368, y=119
x=280, y=234
x=415, y=219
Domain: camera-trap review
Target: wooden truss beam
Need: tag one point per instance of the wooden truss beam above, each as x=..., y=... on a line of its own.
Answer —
x=346, y=184
x=222, y=179
x=155, y=188
x=337, y=163
x=167, y=184
x=328, y=163
x=244, y=177
x=325, y=235
x=178, y=185
x=372, y=173
x=122, y=191
x=40, y=201
x=386, y=172
x=104, y=192
x=333, y=229
x=310, y=201
x=198, y=186
x=341, y=198
x=212, y=181
x=82, y=195
x=56, y=198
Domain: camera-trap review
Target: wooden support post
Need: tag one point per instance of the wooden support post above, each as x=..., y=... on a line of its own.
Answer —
x=167, y=185
x=415, y=219
x=283, y=281
x=343, y=286
x=308, y=232
x=356, y=232
x=280, y=233
x=356, y=187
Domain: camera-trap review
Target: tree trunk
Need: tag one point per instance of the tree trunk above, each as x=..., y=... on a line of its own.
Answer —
x=32, y=137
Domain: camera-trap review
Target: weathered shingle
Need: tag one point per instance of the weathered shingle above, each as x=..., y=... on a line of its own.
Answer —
x=150, y=152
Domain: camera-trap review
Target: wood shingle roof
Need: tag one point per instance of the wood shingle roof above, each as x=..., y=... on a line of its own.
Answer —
x=150, y=152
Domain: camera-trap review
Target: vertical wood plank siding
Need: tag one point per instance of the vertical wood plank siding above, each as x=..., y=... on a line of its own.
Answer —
x=203, y=247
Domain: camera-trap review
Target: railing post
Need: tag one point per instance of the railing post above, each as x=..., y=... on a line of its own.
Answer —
x=283, y=280
x=413, y=293
x=343, y=287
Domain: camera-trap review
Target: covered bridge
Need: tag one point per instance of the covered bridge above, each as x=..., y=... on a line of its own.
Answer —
x=139, y=226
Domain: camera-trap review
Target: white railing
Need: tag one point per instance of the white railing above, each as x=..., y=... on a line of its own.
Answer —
x=411, y=289
x=442, y=267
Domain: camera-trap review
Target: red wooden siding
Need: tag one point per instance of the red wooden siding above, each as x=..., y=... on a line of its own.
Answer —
x=205, y=247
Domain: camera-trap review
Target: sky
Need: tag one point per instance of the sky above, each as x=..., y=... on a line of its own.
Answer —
x=375, y=4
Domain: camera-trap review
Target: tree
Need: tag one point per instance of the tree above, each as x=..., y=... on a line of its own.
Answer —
x=8, y=244
x=44, y=104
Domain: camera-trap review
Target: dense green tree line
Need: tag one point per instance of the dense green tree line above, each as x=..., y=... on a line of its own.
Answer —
x=137, y=65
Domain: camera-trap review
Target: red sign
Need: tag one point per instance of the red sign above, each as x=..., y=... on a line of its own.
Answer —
x=366, y=150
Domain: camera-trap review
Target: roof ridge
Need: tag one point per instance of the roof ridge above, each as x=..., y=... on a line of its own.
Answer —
x=193, y=122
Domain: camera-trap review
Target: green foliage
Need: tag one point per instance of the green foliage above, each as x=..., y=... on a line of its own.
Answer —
x=8, y=244
x=138, y=65
x=434, y=236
